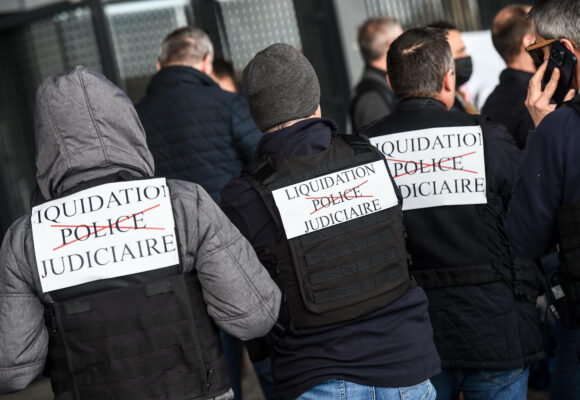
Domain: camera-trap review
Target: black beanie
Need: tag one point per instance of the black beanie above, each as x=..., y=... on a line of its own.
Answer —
x=281, y=86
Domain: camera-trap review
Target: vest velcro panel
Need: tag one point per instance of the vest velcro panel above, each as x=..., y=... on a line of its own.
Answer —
x=351, y=268
x=140, y=342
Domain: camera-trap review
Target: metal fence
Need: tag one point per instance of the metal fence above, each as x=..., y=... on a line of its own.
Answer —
x=137, y=30
x=411, y=13
x=252, y=25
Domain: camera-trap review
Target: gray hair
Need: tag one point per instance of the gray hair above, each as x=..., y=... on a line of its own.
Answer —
x=418, y=61
x=557, y=19
x=185, y=45
x=375, y=35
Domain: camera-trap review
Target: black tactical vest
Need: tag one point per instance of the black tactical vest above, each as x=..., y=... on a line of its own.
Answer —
x=341, y=272
x=566, y=282
x=141, y=336
x=476, y=250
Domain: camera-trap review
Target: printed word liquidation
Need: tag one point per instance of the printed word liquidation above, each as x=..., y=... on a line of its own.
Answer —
x=414, y=143
x=93, y=203
x=328, y=182
x=335, y=198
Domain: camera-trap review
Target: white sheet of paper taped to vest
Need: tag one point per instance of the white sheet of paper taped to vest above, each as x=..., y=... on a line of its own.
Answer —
x=335, y=198
x=111, y=230
x=438, y=166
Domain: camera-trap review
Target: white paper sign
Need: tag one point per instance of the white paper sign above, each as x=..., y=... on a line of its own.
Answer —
x=111, y=230
x=335, y=198
x=436, y=167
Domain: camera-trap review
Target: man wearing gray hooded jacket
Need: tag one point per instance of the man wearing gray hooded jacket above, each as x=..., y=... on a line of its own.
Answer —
x=117, y=282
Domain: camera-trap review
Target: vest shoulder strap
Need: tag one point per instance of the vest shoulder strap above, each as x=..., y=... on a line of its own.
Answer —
x=259, y=168
x=256, y=173
x=359, y=144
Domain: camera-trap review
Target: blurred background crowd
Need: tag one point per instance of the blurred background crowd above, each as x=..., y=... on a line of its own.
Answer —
x=121, y=39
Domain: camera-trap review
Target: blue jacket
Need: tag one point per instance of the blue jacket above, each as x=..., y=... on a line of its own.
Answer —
x=549, y=177
x=390, y=347
x=196, y=131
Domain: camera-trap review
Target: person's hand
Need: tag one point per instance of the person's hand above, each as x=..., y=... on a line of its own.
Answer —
x=538, y=100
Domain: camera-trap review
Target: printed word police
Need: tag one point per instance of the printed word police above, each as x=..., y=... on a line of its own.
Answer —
x=93, y=203
x=425, y=167
x=122, y=224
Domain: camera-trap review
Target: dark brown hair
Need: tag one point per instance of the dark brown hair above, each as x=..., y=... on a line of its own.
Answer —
x=418, y=61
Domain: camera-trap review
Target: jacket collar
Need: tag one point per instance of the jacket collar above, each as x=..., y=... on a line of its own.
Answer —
x=304, y=138
x=177, y=75
x=375, y=74
x=412, y=103
x=510, y=74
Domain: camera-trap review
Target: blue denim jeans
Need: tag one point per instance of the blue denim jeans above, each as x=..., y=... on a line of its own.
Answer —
x=339, y=389
x=509, y=384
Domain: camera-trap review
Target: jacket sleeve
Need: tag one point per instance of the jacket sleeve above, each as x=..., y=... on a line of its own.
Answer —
x=241, y=297
x=538, y=192
x=503, y=156
x=523, y=128
x=246, y=134
x=23, y=335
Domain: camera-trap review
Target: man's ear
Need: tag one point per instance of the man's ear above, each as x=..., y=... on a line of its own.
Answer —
x=449, y=81
x=389, y=82
x=317, y=113
x=207, y=64
x=528, y=40
x=568, y=44
x=158, y=65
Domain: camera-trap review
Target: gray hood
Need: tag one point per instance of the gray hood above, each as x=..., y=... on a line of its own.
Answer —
x=85, y=128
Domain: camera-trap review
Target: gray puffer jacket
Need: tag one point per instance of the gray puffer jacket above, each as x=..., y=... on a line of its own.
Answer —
x=86, y=128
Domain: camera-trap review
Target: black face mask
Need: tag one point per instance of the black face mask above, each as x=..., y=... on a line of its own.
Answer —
x=463, y=70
